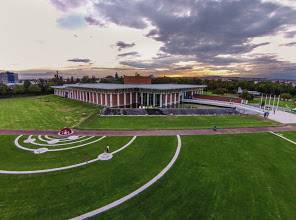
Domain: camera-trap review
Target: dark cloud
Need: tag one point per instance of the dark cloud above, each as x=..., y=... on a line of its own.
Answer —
x=204, y=29
x=134, y=53
x=213, y=32
x=291, y=44
x=290, y=34
x=122, y=45
x=79, y=60
x=92, y=21
x=183, y=68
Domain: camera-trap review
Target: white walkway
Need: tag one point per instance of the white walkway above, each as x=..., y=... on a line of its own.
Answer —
x=283, y=117
x=138, y=191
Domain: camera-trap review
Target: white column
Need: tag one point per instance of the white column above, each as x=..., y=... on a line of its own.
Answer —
x=153, y=99
x=131, y=99
x=106, y=103
x=136, y=98
x=111, y=100
x=118, y=104
x=101, y=98
x=124, y=99
x=148, y=94
x=166, y=100
x=278, y=102
x=171, y=98
x=175, y=98
x=160, y=100
x=142, y=99
x=273, y=103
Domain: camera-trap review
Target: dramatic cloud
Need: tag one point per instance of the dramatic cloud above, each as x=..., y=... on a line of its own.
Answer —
x=290, y=34
x=292, y=44
x=204, y=28
x=134, y=53
x=213, y=32
x=122, y=45
x=79, y=60
x=92, y=21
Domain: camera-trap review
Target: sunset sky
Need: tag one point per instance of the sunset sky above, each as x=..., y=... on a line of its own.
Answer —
x=172, y=37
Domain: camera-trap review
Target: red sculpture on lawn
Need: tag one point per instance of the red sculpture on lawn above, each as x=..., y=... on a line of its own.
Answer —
x=66, y=132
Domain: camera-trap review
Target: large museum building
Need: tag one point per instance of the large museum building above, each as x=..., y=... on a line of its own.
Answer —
x=136, y=92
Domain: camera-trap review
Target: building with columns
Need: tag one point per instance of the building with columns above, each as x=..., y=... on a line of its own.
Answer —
x=129, y=95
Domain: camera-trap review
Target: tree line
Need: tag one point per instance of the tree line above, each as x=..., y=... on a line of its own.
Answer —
x=231, y=86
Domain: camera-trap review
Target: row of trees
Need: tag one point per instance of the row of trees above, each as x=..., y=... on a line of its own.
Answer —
x=40, y=87
x=221, y=86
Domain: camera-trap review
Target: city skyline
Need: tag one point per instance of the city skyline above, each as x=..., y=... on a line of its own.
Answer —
x=170, y=37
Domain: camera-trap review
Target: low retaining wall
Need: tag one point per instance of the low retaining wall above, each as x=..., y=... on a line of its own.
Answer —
x=168, y=111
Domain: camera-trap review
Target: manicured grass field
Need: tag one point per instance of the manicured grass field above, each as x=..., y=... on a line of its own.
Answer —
x=51, y=112
x=247, y=176
x=66, y=194
x=222, y=177
x=172, y=122
x=44, y=112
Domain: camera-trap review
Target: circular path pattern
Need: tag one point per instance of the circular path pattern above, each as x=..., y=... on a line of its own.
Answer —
x=44, y=150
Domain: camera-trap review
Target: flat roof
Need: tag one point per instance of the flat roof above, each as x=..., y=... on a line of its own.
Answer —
x=113, y=86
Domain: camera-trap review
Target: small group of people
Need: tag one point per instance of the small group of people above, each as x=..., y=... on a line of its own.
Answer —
x=266, y=114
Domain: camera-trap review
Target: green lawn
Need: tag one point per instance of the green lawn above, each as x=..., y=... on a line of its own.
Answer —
x=222, y=177
x=51, y=112
x=247, y=176
x=282, y=103
x=172, y=122
x=62, y=195
x=43, y=112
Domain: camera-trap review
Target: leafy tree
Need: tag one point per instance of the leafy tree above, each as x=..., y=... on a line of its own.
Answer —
x=27, y=84
x=18, y=89
x=3, y=90
x=286, y=96
x=220, y=91
x=34, y=89
x=247, y=96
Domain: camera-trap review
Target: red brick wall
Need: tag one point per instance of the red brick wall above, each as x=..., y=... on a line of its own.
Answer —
x=136, y=80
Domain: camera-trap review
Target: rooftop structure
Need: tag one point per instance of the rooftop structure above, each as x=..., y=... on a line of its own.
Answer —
x=137, y=80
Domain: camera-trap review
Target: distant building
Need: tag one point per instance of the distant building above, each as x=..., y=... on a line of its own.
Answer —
x=254, y=93
x=129, y=95
x=139, y=80
x=9, y=78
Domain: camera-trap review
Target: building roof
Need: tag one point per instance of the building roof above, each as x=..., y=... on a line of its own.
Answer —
x=112, y=86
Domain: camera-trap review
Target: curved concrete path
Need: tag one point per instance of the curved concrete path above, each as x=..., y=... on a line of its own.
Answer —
x=18, y=145
x=11, y=172
x=136, y=192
